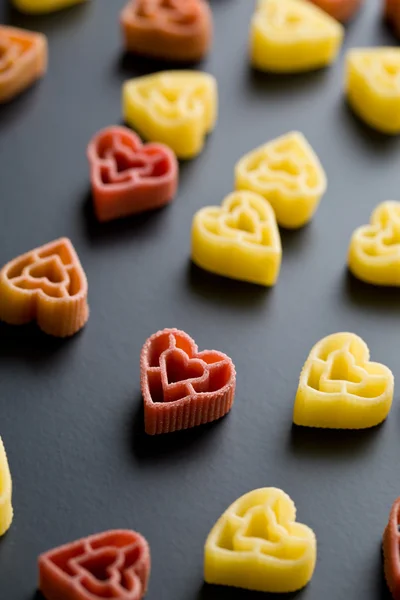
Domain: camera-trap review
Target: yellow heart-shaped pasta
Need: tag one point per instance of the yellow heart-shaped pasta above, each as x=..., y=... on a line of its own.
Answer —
x=258, y=545
x=239, y=239
x=177, y=108
x=374, y=253
x=373, y=86
x=6, y=510
x=293, y=35
x=340, y=388
x=43, y=6
x=287, y=173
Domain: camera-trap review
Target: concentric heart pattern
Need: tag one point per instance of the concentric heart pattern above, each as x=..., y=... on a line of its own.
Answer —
x=289, y=36
x=114, y=564
x=127, y=176
x=258, y=545
x=177, y=108
x=340, y=388
x=23, y=60
x=168, y=29
x=374, y=253
x=288, y=174
x=181, y=386
x=373, y=86
x=48, y=285
x=240, y=239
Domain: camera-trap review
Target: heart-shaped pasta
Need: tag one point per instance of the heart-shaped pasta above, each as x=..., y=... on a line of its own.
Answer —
x=127, y=176
x=258, y=545
x=47, y=285
x=177, y=108
x=178, y=30
x=113, y=564
x=340, y=388
x=374, y=252
x=181, y=386
x=23, y=60
x=287, y=173
x=239, y=239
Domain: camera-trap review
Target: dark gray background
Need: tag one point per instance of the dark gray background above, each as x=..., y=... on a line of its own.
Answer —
x=70, y=411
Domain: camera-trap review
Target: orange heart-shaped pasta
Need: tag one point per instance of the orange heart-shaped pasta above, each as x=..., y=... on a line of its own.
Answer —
x=48, y=285
x=23, y=60
x=114, y=564
x=168, y=29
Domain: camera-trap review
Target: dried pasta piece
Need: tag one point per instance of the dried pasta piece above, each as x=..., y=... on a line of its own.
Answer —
x=392, y=14
x=391, y=551
x=373, y=87
x=176, y=108
x=178, y=30
x=127, y=176
x=46, y=285
x=341, y=10
x=6, y=509
x=240, y=239
x=23, y=60
x=340, y=388
x=288, y=36
x=43, y=6
x=114, y=564
x=374, y=253
x=258, y=545
x=287, y=173
x=181, y=386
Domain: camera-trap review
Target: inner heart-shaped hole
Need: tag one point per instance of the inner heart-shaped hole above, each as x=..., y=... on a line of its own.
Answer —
x=99, y=565
x=147, y=165
x=124, y=162
x=258, y=526
x=102, y=566
x=342, y=370
x=49, y=269
x=9, y=53
x=242, y=220
x=293, y=20
x=180, y=368
x=286, y=166
x=391, y=69
x=167, y=5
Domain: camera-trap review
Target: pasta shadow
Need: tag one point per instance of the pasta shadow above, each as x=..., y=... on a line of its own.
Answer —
x=295, y=240
x=371, y=296
x=220, y=592
x=133, y=65
x=217, y=288
x=29, y=342
x=281, y=83
x=163, y=446
x=331, y=443
x=376, y=140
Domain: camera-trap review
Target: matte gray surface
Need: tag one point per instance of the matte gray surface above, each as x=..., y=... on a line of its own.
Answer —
x=70, y=411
